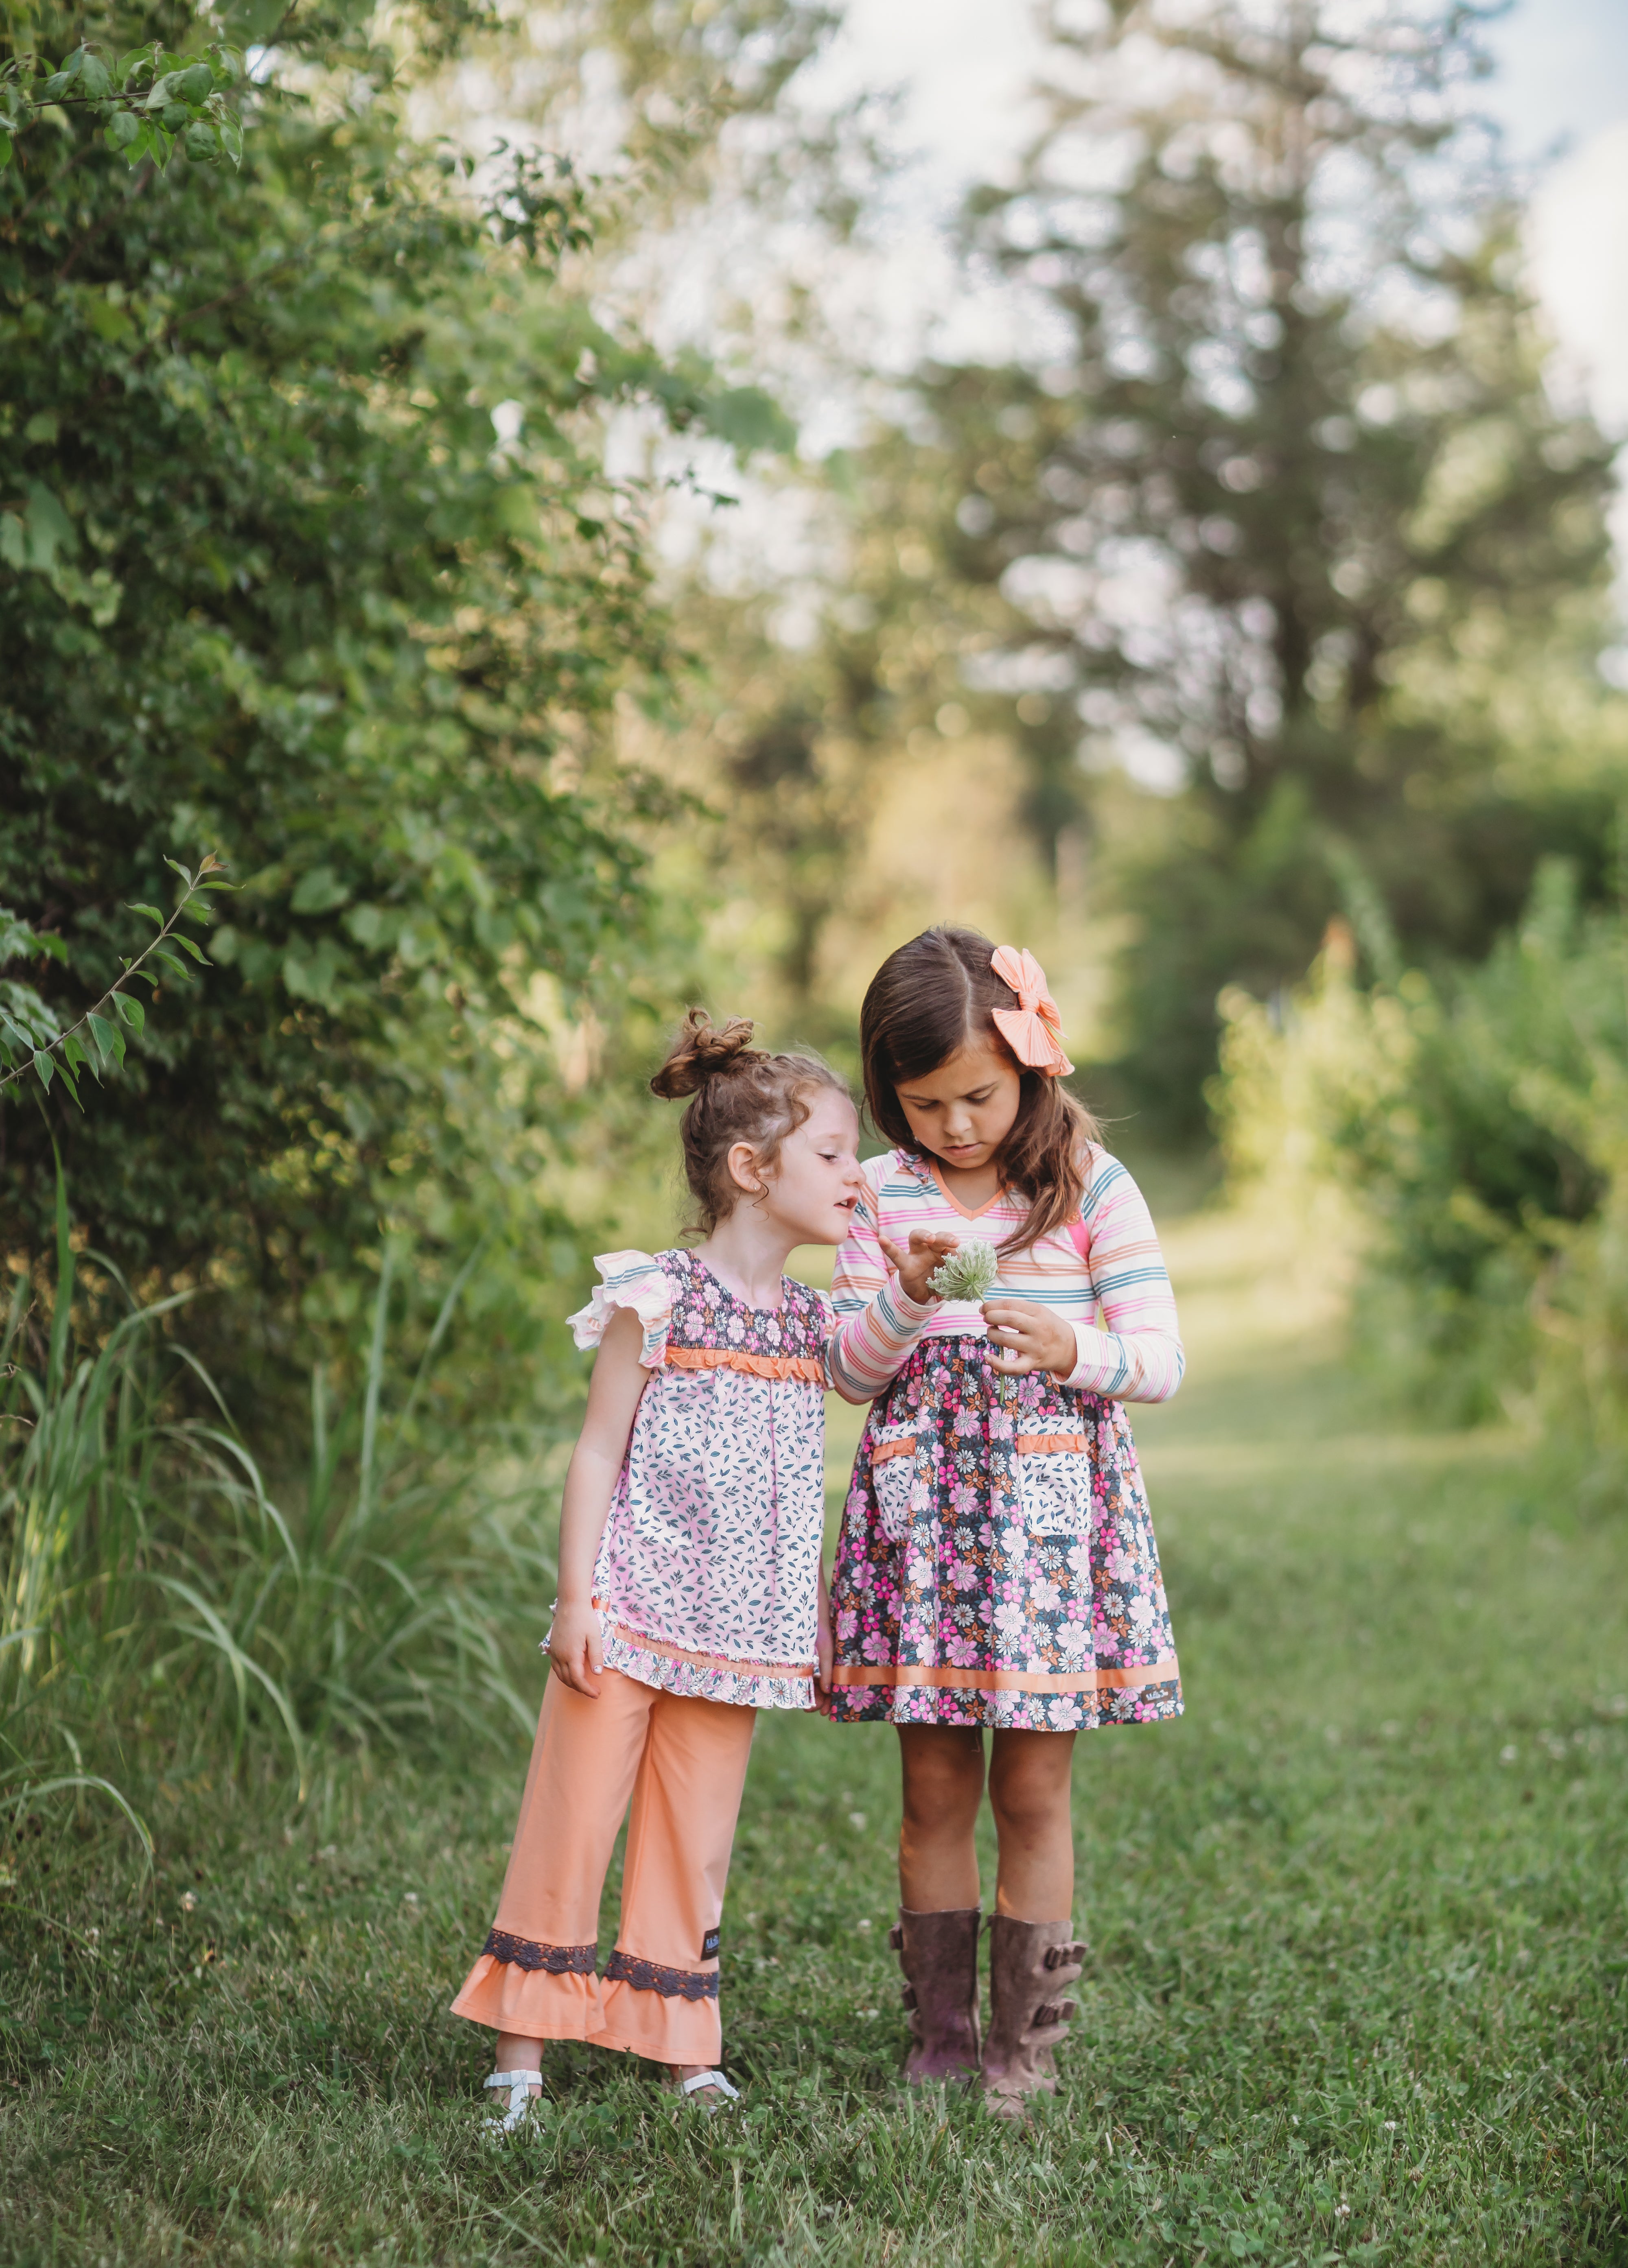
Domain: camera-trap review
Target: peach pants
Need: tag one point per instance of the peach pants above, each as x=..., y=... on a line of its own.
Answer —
x=684, y=1763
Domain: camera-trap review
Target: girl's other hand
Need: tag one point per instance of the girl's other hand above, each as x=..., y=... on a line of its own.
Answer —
x=825, y=1650
x=1026, y=1336
x=577, y=1647
x=914, y=1266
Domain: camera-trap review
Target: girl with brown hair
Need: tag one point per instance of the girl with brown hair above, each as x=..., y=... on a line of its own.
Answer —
x=690, y=1593
x=997, y=1564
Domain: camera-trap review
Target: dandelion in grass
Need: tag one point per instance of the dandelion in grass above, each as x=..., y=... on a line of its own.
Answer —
x=970, y=1272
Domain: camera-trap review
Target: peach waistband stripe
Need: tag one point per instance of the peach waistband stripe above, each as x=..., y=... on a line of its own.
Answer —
x=1029, y=1445
x=1008, y=1680
x=808, y=1366
x=670, y=1653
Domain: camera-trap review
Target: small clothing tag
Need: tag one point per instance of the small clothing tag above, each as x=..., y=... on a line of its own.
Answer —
x=709, y=1944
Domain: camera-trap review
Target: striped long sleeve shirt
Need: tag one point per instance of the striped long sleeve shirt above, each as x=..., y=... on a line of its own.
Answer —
x=1115, y=1293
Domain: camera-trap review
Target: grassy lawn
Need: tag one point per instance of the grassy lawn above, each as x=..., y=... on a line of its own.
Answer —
x=1358, y=1982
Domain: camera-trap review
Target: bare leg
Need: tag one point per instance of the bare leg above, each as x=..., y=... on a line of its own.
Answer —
x=515, y=2053
x=943, y=1767
x=1029, y=1790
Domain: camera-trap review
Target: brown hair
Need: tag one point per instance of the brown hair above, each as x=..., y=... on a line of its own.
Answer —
x=928, y=1000
x=741, y=1093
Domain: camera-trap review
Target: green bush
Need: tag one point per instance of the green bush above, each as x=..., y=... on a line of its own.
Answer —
x=1479, y=1124
x=309, y=559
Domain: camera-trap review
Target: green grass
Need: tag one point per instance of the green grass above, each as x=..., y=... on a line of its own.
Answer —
x=1357, y=1990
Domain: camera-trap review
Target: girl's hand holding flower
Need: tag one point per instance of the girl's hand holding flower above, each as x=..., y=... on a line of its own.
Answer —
x=920, y=1264
x=1026, y=1336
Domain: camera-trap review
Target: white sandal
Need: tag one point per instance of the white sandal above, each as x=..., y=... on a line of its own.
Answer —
x=521, y=2101
x=716, y=2081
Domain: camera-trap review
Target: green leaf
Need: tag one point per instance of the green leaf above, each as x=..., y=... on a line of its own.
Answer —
x=5, y=149
x=750, y=419
x=95, y=78
x=186, y=945
x=44, y=1068
x=75, y=1054
x=135, y=152
x=176, y=867
x=130, y=1011
x=318, y=892
x=122, y=130
x=108, y=1039
x=134, y=906
x=136, y=60
x=197, y=85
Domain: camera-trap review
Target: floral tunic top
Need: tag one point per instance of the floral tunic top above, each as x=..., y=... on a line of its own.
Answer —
x=707, y=1579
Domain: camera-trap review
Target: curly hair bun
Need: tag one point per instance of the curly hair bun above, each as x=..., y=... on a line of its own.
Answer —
x=701, y=1051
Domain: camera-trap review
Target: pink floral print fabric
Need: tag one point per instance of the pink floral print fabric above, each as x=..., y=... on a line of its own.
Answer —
x=997, y=1564
x=708, y=1572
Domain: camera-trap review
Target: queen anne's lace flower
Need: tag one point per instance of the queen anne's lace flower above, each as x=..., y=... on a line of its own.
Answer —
x=970, y=1272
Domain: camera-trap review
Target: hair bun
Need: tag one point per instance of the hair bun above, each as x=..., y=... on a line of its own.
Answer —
x=701, y=1051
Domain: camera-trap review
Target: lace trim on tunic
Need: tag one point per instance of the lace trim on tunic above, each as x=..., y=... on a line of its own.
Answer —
x=556, y=1960
x=706, y=1676
x=655, y=1976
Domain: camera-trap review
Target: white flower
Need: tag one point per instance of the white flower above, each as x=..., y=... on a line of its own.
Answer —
x=970, y=1272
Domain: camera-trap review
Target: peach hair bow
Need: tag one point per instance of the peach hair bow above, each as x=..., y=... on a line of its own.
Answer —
x=1033, y=1030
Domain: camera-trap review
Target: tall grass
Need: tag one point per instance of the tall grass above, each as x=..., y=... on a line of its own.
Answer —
x=158, y=1593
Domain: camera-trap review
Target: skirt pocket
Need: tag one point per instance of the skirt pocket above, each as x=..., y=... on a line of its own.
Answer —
x=1054, y=1483
x=893, y=1473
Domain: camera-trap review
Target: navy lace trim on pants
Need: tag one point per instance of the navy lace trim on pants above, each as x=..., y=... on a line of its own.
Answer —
x=653, y=1977
x=558, y=1960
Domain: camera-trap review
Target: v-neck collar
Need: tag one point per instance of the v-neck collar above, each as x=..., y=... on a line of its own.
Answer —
x=950, y=1198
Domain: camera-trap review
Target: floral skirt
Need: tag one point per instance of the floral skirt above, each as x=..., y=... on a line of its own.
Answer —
x=996, y=1562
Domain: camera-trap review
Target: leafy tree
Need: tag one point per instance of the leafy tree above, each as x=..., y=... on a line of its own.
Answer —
x=308, y=559
x=1284, y=477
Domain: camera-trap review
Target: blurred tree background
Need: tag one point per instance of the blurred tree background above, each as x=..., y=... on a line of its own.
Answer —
x=466, y=502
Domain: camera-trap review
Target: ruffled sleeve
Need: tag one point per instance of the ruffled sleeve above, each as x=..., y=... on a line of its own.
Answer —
x=632, y=1279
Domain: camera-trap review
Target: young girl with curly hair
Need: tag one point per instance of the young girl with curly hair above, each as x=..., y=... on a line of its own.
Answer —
x=690, y=1586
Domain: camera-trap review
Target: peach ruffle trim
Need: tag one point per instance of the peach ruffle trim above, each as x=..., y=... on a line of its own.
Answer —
x=761, y=1366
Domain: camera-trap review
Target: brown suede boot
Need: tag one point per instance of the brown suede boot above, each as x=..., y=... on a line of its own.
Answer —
x=1030, y=1962
x=939, y=1954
